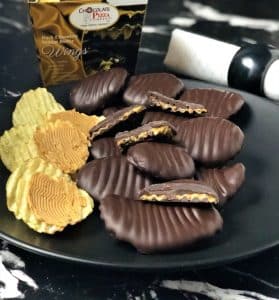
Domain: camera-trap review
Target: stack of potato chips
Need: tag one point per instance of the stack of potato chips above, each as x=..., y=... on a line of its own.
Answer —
x=43, y=148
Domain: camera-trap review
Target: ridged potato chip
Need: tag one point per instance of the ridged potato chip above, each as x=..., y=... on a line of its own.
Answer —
x=21, y=192
x=17, y=146
x=62, y=144
x=79, y=120
x=33, y=106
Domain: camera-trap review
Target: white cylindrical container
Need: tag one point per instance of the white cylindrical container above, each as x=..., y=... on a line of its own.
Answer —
x=253, y=68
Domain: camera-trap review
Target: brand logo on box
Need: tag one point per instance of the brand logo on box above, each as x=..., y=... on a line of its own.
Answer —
x=95, y=16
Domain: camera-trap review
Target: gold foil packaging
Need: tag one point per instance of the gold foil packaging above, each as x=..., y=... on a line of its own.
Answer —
x=75, y=39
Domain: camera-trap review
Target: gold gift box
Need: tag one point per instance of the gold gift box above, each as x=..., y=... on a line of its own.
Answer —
x=77, y=38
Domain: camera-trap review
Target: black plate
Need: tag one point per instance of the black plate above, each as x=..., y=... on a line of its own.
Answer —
x=250, y=219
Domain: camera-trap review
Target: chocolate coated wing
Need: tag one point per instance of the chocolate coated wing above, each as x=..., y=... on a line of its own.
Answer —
x=155, y=228
x=111, y=175
x=218, y=103
x=104, y=147
x=139, y=85
x=161, y=160
x=225, y=181
x=93, y=92
x=210, y=140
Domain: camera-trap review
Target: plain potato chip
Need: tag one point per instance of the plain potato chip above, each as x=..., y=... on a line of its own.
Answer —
x=33, y=106
x=17, y=146
x=18, y=195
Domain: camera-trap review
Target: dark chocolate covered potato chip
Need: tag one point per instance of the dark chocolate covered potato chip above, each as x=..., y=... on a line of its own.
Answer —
x=93, y=92
x=210, y=141
x=139, y=85
x=104, y=147
x=160, y=160
x=217, y=102
x=225, y=181
x=153, y=228
x=111, y=175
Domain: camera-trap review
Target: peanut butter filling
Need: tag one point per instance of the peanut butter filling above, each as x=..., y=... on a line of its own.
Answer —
x=55, y=202
x=81, y=121
x=174, y=108
x=136, y=109
x=194, y=197
x=63, y=145
x=164, y=130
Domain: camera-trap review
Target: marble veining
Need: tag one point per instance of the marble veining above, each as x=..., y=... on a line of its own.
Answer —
x=253, y=277
x=12, y=274
x=248, y=40
x=183, y=21
x=9, y=94
x=200, y=11
x=212, y=291
x=157, y=29
x=17, y=1
x=151, y=51
x=13, y=24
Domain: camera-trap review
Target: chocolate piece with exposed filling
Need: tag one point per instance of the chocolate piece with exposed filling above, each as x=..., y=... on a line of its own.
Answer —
x=139, y=85
x=186, y=190
x=173, y=119
x=152, y=130
x=165, y=103
x=115, y=119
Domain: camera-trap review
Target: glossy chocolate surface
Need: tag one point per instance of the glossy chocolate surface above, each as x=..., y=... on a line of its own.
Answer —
x=225, y=181
x=210, y=141
x=93, y=92
x=153, y=228
x=104, y=147
x=182, y=190
x=139, y=85
x=217, y=102
x=115, y=119
x=111, y=175
x=161, y=160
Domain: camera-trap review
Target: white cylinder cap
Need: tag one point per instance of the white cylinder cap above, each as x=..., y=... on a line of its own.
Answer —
x=271, y=84
x=200, y=57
